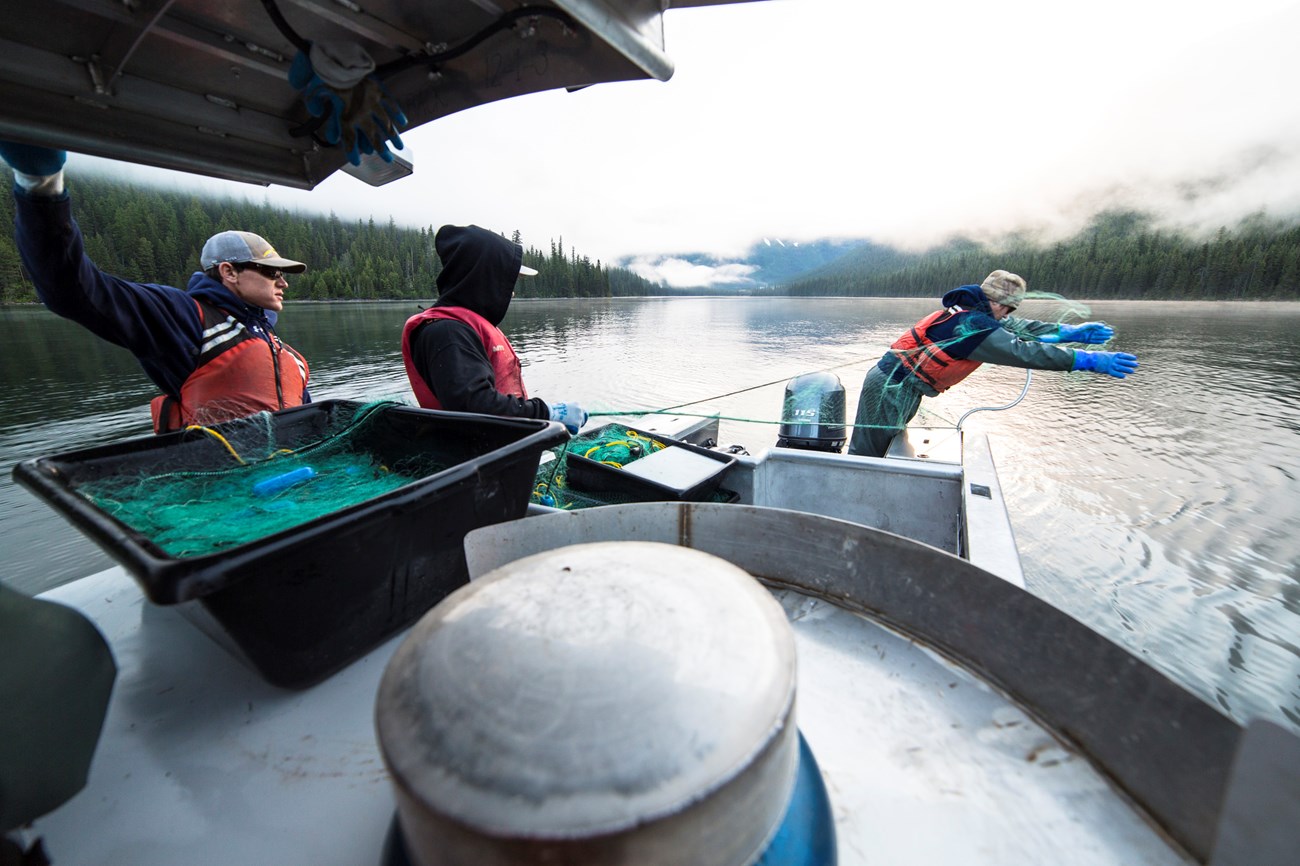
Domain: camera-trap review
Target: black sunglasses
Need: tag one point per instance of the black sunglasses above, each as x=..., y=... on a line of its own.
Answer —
x=265, y=270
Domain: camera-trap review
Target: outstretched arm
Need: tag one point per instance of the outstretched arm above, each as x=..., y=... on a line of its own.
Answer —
x=150, y=320
x=160, y=325
x=1093, y=333
x=1005, y=348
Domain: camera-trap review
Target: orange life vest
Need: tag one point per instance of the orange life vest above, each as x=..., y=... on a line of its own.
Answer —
x=927, y=360
x=506, y=371
x=238, y=374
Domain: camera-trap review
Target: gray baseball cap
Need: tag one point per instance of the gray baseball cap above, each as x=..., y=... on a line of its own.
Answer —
x=239, y=247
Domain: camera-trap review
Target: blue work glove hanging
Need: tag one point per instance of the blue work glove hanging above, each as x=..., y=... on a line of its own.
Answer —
x=32, y=160
x=336, y=83
x=571, y=415
x=1117, y=364
x=1093, y=333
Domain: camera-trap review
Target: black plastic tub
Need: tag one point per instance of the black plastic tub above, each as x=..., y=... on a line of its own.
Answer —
x=302, y=603
x=682, y=472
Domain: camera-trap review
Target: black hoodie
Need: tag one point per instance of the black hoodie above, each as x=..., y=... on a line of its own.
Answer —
x=479, y=270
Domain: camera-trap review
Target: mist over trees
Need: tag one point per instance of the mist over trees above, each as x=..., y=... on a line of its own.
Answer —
x=151, y=235
x=1120, y=255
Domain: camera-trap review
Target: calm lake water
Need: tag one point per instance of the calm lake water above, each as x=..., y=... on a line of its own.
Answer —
x=1162, y=510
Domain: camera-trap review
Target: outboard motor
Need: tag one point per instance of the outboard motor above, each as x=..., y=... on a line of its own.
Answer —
x=812, y=415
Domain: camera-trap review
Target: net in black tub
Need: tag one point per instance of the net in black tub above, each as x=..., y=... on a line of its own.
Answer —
x=643, y=466
x=300, y=539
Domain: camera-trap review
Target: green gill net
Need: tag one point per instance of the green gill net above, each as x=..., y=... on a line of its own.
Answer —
x=258, y=487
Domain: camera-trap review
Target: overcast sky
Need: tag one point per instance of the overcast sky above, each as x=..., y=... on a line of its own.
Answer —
x=899, y=122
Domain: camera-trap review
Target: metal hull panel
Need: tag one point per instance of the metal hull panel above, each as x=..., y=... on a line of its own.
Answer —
x=202, y=86
x=1160, y=744
x=925, y=764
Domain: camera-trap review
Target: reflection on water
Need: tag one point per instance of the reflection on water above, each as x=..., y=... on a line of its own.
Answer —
x=1161, y=509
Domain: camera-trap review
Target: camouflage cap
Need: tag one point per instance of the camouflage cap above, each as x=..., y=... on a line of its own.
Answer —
x=1004, y=287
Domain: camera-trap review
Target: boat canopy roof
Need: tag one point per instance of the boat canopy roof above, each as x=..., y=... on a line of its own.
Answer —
x=203, y=87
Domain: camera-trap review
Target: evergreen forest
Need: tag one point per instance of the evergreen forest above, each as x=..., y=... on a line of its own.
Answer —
x=152, y=235
x=1120, y=255
x=149, y=234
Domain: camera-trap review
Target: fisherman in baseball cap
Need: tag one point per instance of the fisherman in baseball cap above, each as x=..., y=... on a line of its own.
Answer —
x=210, y=348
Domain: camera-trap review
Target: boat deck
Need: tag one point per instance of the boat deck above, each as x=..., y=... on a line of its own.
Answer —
x=203, y=763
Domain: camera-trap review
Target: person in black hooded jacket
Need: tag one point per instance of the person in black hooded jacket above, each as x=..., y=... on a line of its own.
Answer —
x=455, y=355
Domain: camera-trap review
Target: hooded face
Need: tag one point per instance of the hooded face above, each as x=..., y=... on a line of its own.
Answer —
x=479, y=270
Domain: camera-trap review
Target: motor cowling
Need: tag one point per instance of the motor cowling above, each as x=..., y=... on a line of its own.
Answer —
x=812, y=413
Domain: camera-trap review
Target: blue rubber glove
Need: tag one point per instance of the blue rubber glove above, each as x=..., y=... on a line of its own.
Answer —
x=1117, y=364
x=320, y=99
x=371, y=121
x=1093, y=333
x=359, y=115
x=33, y=160
x=571, y=415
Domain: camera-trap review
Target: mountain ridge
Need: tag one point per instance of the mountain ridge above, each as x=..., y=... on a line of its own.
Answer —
x=768, y=262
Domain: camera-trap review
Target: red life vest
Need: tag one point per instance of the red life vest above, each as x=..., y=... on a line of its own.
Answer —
x=927, y=360
x=238, y=374
x=506, y=371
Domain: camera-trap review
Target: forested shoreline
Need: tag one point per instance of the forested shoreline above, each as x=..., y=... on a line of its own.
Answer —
x=154, y=235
